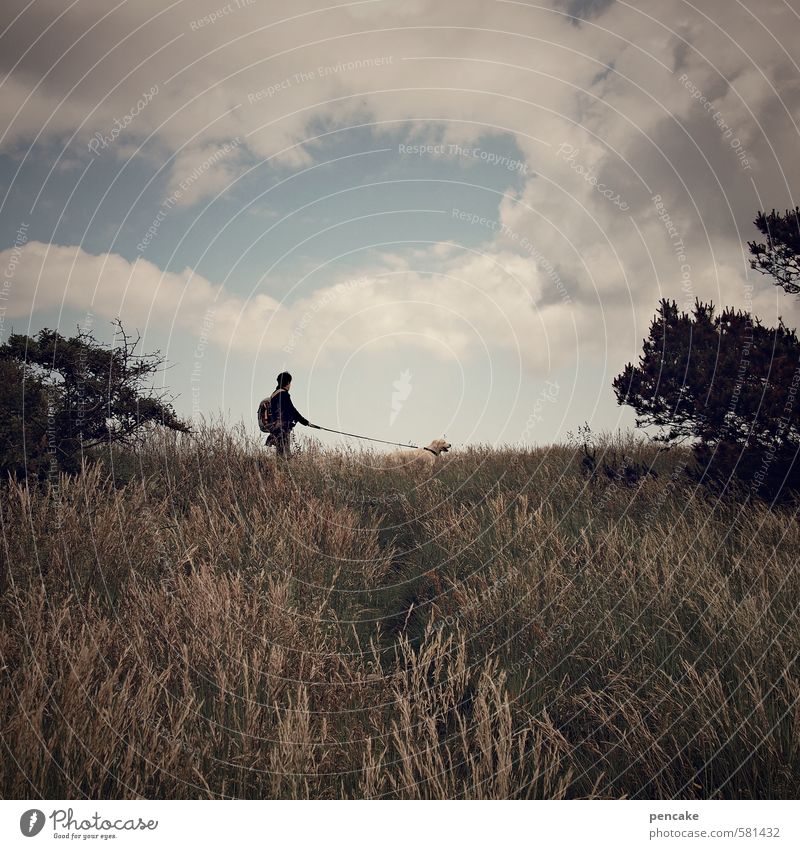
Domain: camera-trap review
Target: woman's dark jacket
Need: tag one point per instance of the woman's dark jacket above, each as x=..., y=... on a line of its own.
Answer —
x=283, y=412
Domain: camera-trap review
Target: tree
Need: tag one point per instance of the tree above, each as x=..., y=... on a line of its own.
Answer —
x=23, y=421
x=726, y=382
x=65, y=396
x=779, y=256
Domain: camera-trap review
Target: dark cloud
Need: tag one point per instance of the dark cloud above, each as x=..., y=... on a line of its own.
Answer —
x=583, y=10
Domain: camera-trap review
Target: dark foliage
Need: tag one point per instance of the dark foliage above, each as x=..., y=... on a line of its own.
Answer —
x=23, y=421
x=779, y=256
x=726, y=382
x=61, y=397
x=615, y=463
x=616, y=467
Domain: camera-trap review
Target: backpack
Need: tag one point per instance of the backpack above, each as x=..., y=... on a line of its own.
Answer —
x=265, y=424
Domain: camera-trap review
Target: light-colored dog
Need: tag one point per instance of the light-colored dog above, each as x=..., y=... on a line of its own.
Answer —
x=419, y=457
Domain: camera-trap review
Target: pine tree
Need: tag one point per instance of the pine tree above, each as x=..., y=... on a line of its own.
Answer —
x=726, y=382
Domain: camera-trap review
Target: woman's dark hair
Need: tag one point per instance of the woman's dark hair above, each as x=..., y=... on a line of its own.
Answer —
x=284, y=379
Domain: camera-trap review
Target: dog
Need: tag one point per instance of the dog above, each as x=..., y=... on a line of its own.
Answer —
x=417, y=457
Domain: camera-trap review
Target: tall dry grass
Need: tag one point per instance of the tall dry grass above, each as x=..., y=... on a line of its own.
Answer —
x=197, y=620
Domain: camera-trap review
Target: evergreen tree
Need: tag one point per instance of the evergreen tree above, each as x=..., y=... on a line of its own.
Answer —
x=779, y=256
x=727, y=383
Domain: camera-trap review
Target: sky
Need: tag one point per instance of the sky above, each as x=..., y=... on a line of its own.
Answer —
x=444, y=217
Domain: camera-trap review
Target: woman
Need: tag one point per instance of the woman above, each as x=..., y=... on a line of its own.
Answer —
x=283, y=415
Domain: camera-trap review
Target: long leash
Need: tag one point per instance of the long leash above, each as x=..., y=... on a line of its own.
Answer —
x=368, y=438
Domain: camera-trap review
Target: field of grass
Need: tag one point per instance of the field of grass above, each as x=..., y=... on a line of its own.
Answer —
x=223, y=625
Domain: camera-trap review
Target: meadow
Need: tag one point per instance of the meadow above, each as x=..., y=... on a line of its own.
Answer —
x=194, y=619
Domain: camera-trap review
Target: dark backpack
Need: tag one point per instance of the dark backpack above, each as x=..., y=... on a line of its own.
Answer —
x=264, y=414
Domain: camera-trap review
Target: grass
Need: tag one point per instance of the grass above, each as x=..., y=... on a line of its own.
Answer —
x=195, y=620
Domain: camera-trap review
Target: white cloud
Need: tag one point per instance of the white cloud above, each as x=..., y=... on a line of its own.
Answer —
x=478, y=301
x=49, y=277
x=456, y=71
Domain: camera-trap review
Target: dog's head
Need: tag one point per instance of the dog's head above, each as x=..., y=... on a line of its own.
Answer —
x=439, y=446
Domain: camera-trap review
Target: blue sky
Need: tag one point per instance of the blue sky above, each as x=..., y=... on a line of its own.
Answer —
x=503, y=271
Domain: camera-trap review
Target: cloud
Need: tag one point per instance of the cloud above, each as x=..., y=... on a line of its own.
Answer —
x=47, y=278
x=199, y=173
x=478, y=302
x=275, y=76
x=280, y=78
x=583, y=9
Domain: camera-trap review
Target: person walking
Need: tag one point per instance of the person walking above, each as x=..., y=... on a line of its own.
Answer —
x=283, y=416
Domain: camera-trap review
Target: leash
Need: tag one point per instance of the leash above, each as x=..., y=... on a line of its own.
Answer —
x=368, y=438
